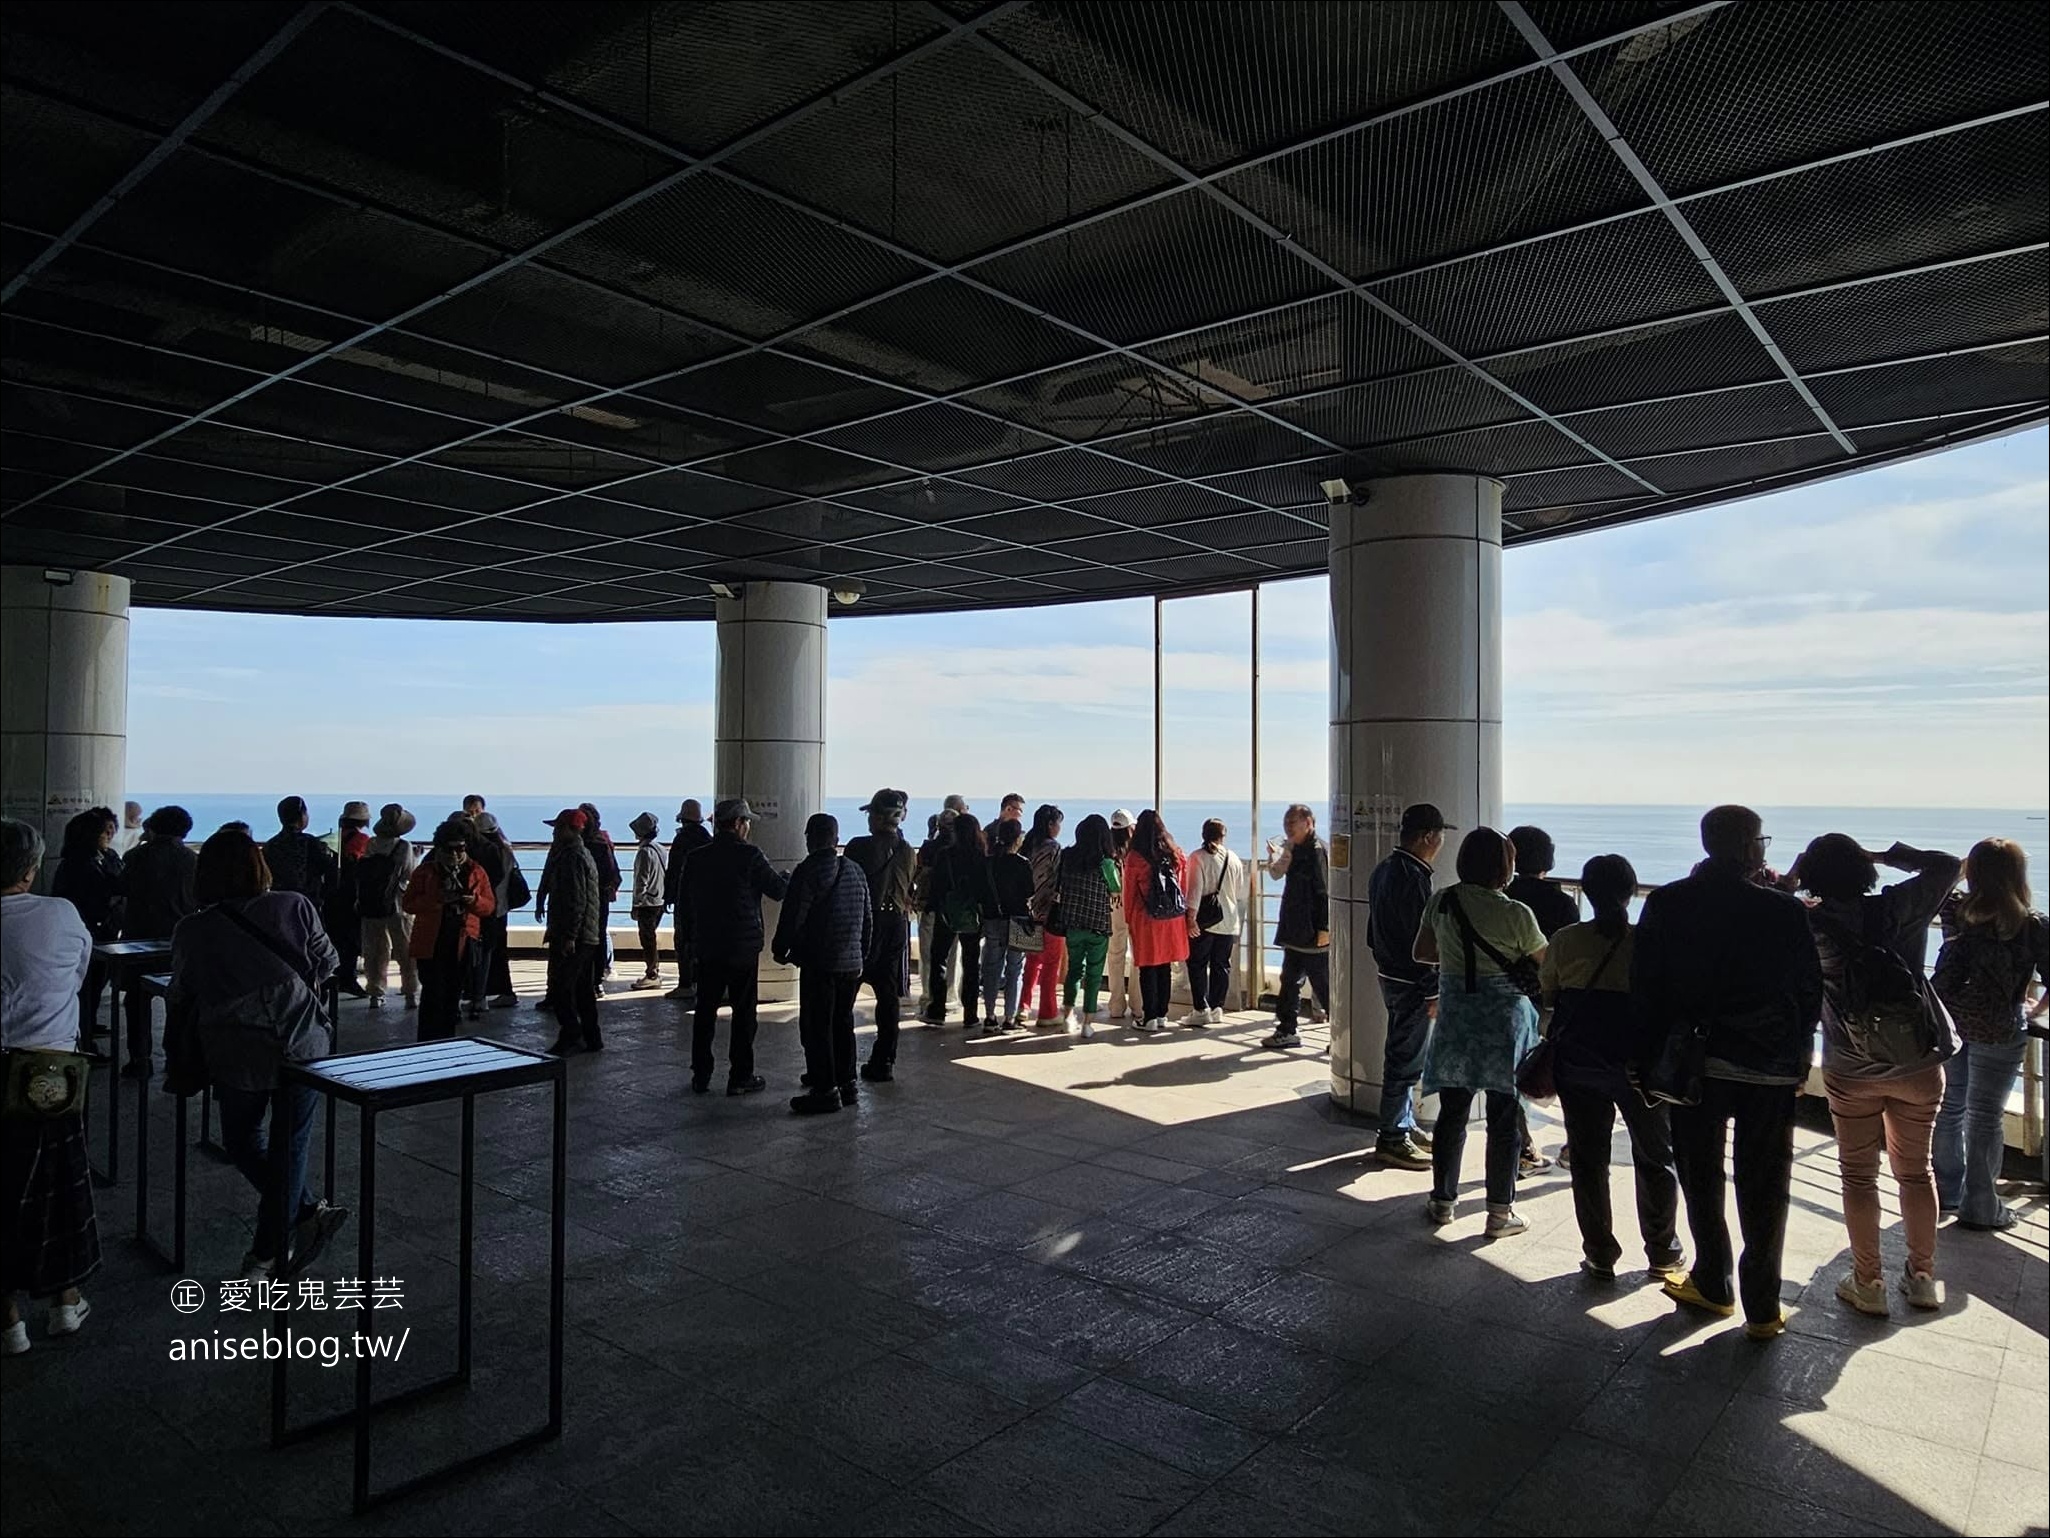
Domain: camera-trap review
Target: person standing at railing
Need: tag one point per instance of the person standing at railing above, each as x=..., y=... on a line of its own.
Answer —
x=651, y=878
x=1217, y=914
x=725, y=885
x=1586, y=978
x=1487, y=948
x=1885, y=1039
x=571, y=930
x=1009, y=905
x=1156, y=909
x=381, y=877
x=88, y=876
x=890, y=865
x=825, y=929
x=691, y=836
x=157, y=876
x=606, y=858
x=344, y=923
x=957, y=888
x=1303, y=929
x=1086, y=890
x=1397, y=894
x=449, y=897
x=1046, y=966
x=509, y=893
x=1554, y=908
x=1725, y=989
x=1994, y=945
x=1120, y=979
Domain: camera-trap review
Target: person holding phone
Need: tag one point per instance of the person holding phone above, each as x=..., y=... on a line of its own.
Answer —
x=449, y=897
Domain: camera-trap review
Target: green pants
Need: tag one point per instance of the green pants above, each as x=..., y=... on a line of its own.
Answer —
x=1086, y=950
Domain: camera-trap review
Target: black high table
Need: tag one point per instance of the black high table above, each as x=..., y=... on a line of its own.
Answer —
x=462, y=1068
x=121, y=957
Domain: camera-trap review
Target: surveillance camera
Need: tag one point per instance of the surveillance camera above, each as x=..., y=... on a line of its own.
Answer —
x=725, y=590
x=848, y=590
x=1341, y=490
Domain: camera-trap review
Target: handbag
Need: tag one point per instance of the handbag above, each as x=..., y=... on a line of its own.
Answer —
x=1210, y=910
x=1537, y=1074
x=1522, y=972
x=1026, y=935
x=1675, y=1076
x=42, y=1084
x=306, y=1022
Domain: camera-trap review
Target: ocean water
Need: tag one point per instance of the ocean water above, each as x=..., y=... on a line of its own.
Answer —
x=1663, y=842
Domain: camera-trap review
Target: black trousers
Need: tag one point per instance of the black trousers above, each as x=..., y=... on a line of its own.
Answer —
x=498, y=958
x=1589, y=1103
x=443, y=977
x=885, y=974
x=735, y=978
x=1763, y=1118
x=347, y=935
x=1298, y=967
x=970, y=946
x=1210, y=970
x=936, y=964
x=825, y=1024
x=1156, y=990
x=572, y=975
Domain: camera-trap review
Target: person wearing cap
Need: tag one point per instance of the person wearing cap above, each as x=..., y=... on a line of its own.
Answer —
x=157, y=876
x=1303, y=927
x=448, y=897
x=571, y=934
x=1120, y=977
x=825, y=929
x=382, y=874
x=606, y=858
x=724, y=888
x=890, y=866
x=1396, y=894
x=1555, y=908
x=344, y=923
x=651, y=881
x=691, y=836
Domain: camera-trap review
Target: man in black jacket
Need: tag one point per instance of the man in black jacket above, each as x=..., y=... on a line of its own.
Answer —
x=691, y=836
x=890, y=864
x=158, y=874
x=724, y=887
x=825, y=929
x=1720, y=956
x=1303, y=929
x=1396, y=894
x=298, y=861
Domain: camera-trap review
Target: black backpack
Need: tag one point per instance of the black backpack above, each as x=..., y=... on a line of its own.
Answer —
x=377, y=883
x=1884, y=1004
x=1981, y=978
x=1164, y=896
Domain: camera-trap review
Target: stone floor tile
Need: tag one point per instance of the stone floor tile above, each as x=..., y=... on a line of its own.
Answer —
x=1045, y=1475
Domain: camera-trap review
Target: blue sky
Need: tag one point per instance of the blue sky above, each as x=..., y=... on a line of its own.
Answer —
x=1878, y=640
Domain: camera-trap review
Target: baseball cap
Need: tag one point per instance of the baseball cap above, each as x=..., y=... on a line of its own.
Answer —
x=1424, y=818
x=1121, y=818
x=568, y=817
x=733, y=809
x=888, y=800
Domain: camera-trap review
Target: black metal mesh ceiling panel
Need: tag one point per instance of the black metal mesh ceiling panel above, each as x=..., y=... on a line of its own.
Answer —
x=566, y=311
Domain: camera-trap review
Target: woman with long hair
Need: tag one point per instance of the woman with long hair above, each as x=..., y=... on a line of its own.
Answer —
x=1994, y=944
x=1476, y=934
x=1884, y=1092
x=246, y=971
x=1087, y=887
x=449, y=897
x=1046, y=966
x=1120, y=977
x=1217, y=880
x=1156, y=908
x=1008, y=893
x=88, y=876
x=1586, y=976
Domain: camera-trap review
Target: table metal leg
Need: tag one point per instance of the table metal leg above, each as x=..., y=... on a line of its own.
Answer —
x=114, y=1033
x=287, y=1203
x=178, y=1195
x=557, y=1207
x=366, y=1268
x=466, y=1266
x=142, y=1088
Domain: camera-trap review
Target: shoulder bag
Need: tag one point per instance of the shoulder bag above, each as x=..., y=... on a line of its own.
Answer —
x=1536, y=1075
x=1522, y=972
x=309, y=1017
x=1210, y=909
x=43, y=1084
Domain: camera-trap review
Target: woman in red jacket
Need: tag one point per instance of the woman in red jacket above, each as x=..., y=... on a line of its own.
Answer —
x=1156, y=878
x=449, y=897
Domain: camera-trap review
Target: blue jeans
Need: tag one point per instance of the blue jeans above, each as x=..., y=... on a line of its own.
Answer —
x=1402, y=1064
x=1971, y=1128
x=1002, y=968
x=1448, y=1144
x=243, y=1135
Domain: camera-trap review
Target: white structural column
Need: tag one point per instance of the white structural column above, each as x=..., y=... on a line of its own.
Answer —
x=770, y=732
x=63, y=696
x=1416, y=712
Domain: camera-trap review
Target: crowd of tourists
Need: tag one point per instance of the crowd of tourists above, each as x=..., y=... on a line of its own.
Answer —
x=1695, y=1023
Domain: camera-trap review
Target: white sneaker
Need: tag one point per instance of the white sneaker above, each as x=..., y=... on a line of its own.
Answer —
x=1195, y=1019
x=14, y=1340
x=1506, y=1222
x=67, y=1317
x=1216, y=1014
x=1088, y=1028
x=1146, y=1027
x=1071, y=1022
